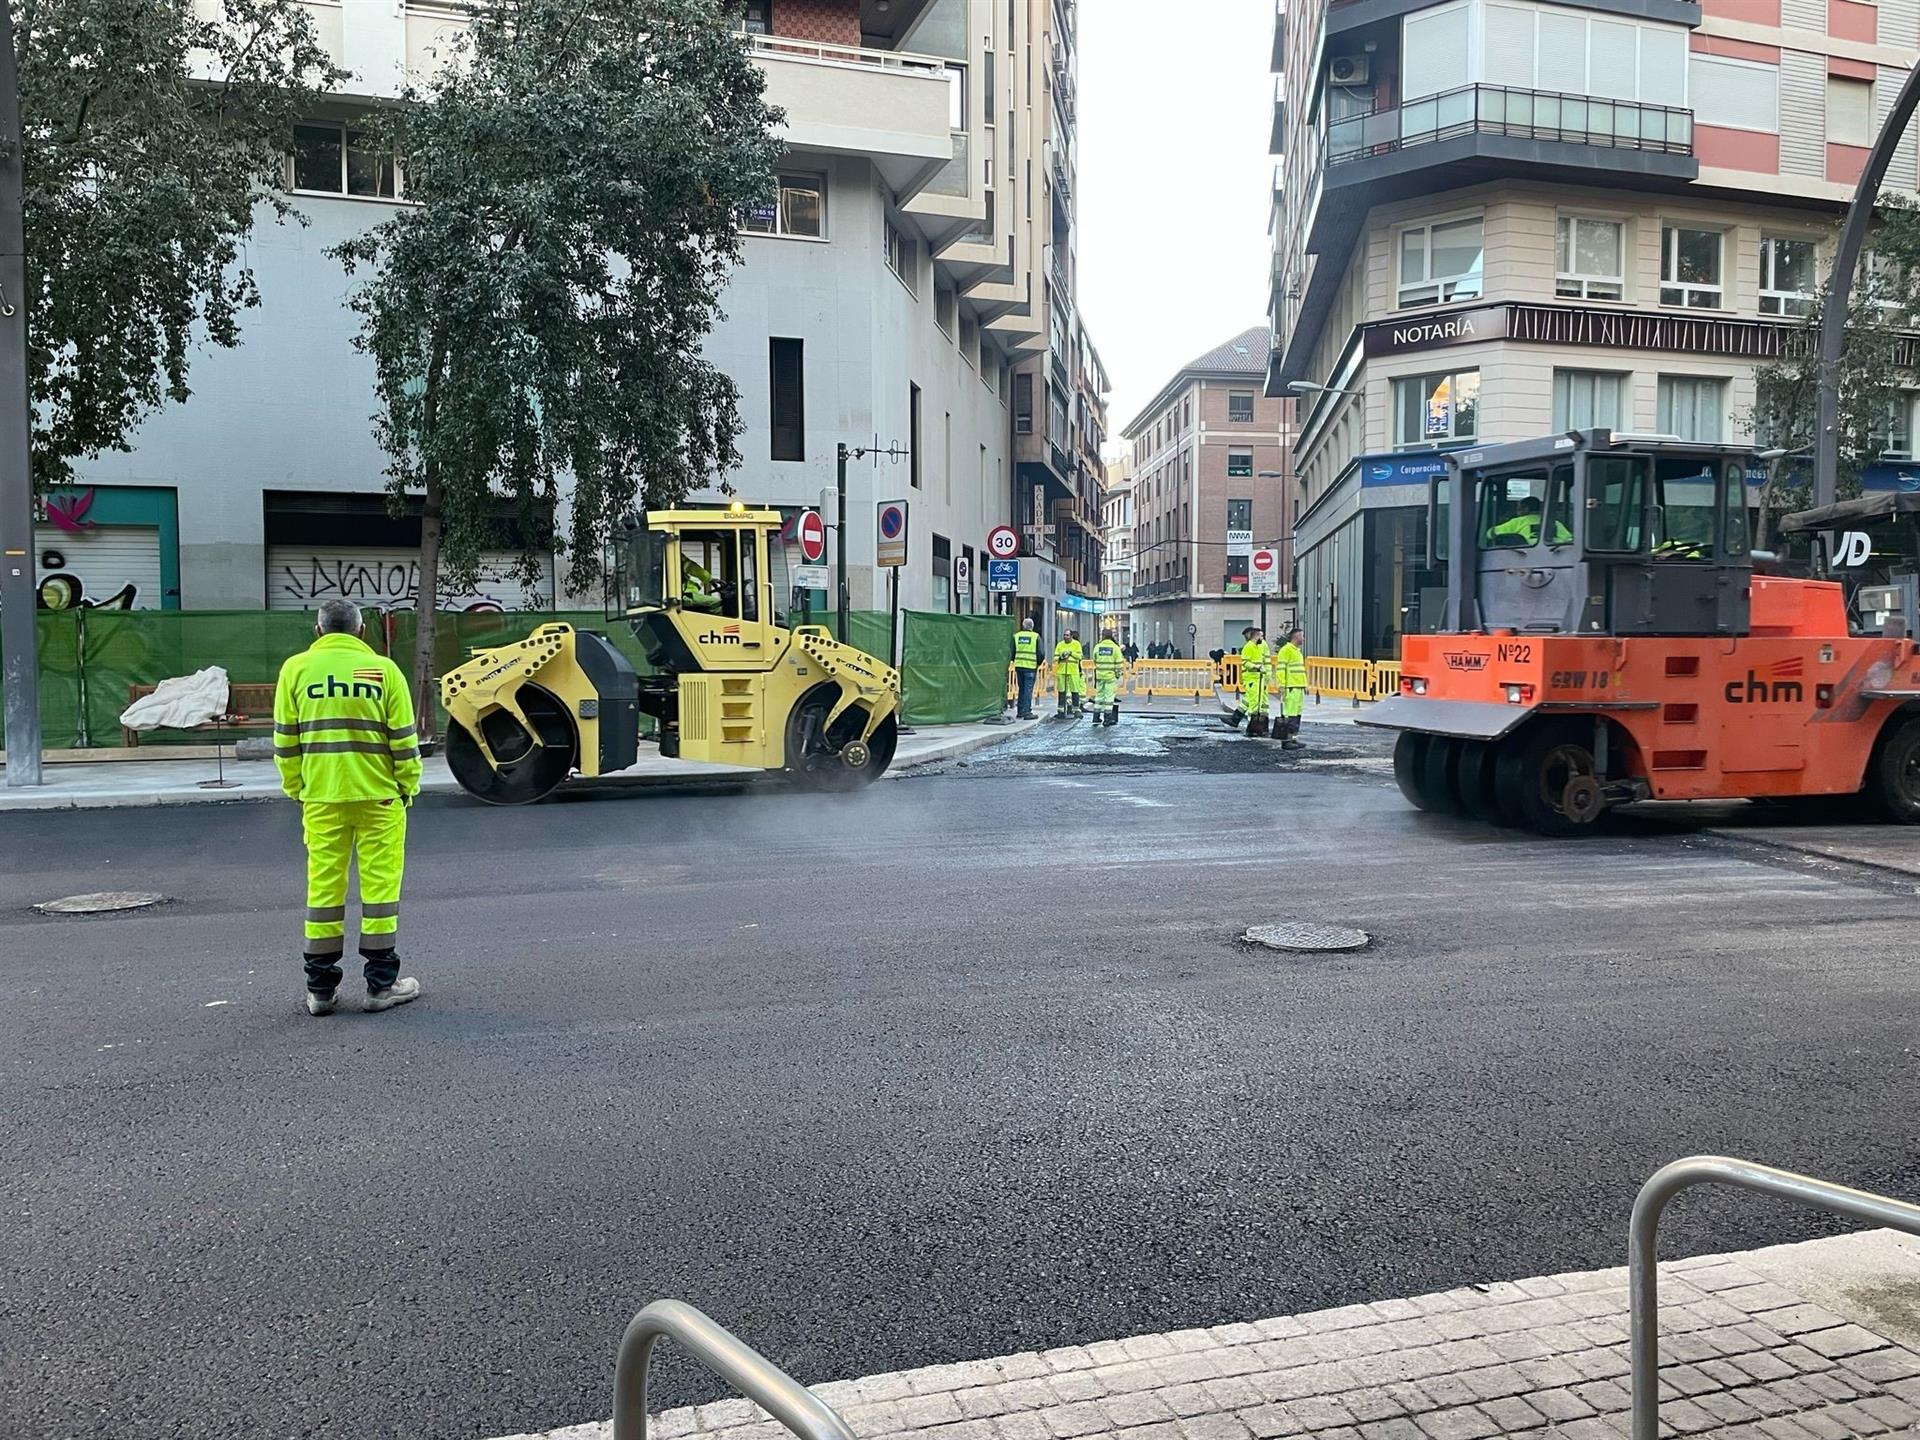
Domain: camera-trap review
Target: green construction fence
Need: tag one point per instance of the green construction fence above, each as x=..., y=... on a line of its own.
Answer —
x=954, y=666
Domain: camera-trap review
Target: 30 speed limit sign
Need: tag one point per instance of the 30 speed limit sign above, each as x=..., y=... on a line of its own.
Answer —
x=1003, y=542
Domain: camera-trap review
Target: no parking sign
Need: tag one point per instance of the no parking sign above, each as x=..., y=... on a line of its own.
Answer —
x=890, y=528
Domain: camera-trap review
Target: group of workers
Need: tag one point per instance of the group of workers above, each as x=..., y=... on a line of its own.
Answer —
x=1069, y=658
x=1264, y=671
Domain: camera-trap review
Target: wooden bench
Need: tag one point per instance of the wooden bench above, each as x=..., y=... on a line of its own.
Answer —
x=249, y=707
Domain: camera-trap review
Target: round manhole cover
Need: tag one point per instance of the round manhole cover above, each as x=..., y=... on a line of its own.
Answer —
x=100, y=902
x=1305, y=938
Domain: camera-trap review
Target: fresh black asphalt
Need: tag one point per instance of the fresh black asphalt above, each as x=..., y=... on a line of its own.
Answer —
x=968, y=1064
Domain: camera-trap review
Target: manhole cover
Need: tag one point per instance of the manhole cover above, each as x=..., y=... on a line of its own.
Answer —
x=100, y=902
x=1306, y=938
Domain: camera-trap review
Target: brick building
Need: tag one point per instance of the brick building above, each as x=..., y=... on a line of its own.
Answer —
x=1211, y=481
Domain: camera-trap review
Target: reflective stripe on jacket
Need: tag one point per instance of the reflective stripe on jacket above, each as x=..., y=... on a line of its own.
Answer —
x=1026, y=650
x=1290, y=668
x=343, y=726
x=1253, y=661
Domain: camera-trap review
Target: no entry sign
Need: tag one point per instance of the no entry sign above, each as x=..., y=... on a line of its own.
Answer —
x=1264, y=572
x=812, y=531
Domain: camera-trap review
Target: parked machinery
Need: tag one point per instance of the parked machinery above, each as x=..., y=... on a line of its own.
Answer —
x=728, y=680
x=1608, y=640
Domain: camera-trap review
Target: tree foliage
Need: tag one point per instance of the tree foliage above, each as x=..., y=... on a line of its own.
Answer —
x=535, y=316
x=152, y=131
x=1883, y=305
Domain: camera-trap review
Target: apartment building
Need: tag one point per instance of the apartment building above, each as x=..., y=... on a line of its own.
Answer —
x=1059, y=391
x=1494, y=219
x=1116, y=533
x=1212, y=480
x=887, y=295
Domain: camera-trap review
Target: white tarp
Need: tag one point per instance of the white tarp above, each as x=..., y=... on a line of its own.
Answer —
x=180, y=703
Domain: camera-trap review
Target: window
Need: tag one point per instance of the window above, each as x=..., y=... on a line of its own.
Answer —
x=1436, y=409
x=755, y=17
x=1441, y=262
x=1733, y=507
x=1786, y=276
x=913, y=435
x=1240, y=462
x=1738, y=94
x=1585, y=400
x=1239, y=407
x=1849, y=111
x=1692, y=408
x=1689, y=496
x=1894, y=435
x=1511, y=507
x=1616, y=502
x=1690, y=267
x=903, y=257
x=333, y=160
x=1187, y=413
x=1239, y=516
x=787, y=366
x=798, y=209
x=943, y=307
x=1023, y=403
x=1591, y=256
x=956, y=97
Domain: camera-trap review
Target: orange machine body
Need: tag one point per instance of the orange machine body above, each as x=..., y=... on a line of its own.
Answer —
x=1792, y=708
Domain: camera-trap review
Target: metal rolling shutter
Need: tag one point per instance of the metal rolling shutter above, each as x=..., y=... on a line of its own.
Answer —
x=105, y=560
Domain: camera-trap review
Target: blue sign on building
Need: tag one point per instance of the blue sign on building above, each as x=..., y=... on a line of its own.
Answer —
x=1415, y=468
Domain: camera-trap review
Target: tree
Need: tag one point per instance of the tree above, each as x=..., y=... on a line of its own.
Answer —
x=1881, y=310
x=577, y=171
x=151, y=133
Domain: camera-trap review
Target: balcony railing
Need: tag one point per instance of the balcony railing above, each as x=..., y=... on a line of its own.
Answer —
x=1523, y=114
x=820, y=53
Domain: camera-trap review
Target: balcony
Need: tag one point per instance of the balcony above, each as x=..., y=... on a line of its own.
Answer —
x=1464, y=137
x=886, y=105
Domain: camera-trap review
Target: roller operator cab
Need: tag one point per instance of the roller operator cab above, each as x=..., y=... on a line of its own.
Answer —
x=726, y=680
x=1607, y=640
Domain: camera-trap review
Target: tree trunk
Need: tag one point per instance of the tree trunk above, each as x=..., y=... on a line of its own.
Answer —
x=426, y=612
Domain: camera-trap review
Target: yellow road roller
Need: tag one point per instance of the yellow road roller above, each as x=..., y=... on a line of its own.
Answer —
x=728, y=681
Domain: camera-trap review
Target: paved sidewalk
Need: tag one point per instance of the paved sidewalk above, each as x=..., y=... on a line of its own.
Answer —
x=120, y=783
x=1798, y=1342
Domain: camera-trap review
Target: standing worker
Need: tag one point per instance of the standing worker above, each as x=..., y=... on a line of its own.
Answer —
x=1069, y=681
x=346, y=748
x=1290, y=675
x=1026, y=666
x=1253, y=684
x=1108, y=661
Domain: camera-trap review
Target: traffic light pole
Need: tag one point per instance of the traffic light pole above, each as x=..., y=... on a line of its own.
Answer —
x=840, y=543
x=1846, y=259
x=19, y=665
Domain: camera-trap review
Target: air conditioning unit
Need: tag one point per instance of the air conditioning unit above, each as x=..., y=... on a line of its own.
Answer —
x=1347, y=70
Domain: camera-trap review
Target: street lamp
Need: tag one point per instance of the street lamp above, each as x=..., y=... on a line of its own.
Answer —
x=18, y=663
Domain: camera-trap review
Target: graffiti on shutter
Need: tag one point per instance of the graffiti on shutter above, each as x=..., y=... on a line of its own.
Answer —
x=301, y=577
x=101, y=567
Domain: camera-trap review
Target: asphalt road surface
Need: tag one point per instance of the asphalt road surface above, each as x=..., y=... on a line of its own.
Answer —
x=970, y=1063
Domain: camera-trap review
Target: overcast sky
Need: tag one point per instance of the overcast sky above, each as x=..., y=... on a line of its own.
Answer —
x=1176, y=104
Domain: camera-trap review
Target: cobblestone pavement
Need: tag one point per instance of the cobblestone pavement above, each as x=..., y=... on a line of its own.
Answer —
x=1749, y=1352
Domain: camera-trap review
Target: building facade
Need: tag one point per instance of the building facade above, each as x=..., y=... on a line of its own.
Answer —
x=1116, y=530
x=1495, y=219
x=1059, y=390
x=1212, y=481
x=887, y=295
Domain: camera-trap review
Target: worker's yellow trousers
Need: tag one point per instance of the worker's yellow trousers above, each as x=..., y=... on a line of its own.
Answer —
x=376, y=832
x=1253, y=694
x=1104, y=687
x=1292, y=699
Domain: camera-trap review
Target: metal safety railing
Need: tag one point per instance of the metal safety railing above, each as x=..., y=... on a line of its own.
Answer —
x=726, y=1355
x=1643, y=1270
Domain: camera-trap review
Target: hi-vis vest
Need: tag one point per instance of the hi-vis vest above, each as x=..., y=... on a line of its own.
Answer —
x=1290, y=668
x=1253, y=662
x=343, y=725
x=1026, y=650
x=1108, y=660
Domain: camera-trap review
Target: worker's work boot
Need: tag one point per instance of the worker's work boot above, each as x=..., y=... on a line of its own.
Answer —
x=399, y=993
x=318, y=1004
x=1293, y=740
x=1233, y=720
